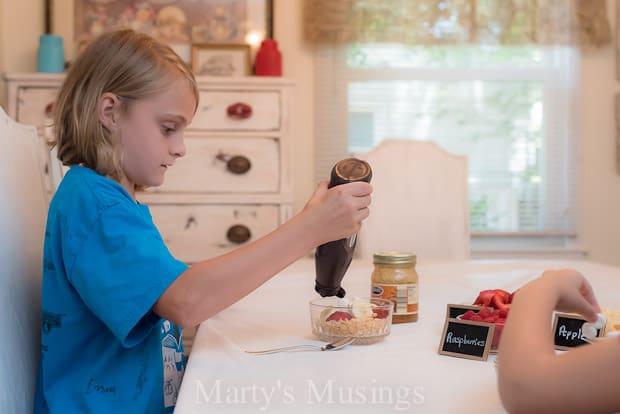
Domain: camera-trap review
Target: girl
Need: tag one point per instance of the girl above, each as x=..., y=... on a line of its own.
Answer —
x=532, y=378
x=113, y=296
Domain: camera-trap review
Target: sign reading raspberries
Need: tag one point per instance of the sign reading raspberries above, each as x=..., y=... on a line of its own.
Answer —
x=465, y=338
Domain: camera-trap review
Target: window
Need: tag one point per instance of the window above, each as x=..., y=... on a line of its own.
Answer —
x=509, y=109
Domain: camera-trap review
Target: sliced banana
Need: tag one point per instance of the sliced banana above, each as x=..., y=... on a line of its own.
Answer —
x=325, y=313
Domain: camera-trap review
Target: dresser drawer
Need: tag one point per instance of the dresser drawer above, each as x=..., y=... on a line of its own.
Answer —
x=225, y=165
x=198, y=232
x=238, y=111
x=35, y=106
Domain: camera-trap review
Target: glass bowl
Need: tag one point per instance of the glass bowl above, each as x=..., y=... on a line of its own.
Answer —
x=497, y=334
x=366, y=320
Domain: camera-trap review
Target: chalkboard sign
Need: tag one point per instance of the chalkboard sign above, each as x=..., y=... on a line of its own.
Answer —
x=466, y=339
x=455, y=310
x=567, y=331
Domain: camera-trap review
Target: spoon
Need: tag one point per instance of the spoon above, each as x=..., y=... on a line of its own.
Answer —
x=327, y=347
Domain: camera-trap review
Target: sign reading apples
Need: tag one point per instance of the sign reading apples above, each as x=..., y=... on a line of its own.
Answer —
x=568, y=332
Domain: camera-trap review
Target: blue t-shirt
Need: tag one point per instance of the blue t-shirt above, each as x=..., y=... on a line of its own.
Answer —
x=103, y=350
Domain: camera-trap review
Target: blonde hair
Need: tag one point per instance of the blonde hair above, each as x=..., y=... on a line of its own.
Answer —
x=126, y=63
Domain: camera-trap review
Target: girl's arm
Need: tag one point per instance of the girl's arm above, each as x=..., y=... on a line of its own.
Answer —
x=208, y=287
x=531, y=377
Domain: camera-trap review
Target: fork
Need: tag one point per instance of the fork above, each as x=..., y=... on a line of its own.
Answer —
x=327, y=347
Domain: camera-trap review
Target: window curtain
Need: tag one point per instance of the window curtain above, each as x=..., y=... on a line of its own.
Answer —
x=430, y=22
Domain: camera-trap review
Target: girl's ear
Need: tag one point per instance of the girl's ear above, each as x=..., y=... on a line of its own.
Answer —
x=108, y=110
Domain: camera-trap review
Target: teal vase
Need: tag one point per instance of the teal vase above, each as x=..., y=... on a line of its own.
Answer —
x=51, y=54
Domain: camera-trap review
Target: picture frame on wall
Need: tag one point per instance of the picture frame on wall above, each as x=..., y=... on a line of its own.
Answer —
x=178, y=23
x=220, y=60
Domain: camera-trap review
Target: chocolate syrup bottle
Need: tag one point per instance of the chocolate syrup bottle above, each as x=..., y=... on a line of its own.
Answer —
x=332, y=259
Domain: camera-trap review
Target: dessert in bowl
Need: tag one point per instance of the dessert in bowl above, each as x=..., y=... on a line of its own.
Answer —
x=612, y=316
x=366, y=320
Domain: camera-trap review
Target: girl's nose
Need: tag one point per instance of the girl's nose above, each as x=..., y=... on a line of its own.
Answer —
x=178, y=147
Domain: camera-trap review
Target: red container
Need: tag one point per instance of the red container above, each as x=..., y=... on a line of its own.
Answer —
x=268, y=59
x=497, y=334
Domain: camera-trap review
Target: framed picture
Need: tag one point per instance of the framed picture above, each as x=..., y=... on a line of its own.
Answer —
x=178, y=23
x=220, y=60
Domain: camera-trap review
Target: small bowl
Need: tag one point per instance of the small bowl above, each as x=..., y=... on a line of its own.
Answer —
x=366, y=320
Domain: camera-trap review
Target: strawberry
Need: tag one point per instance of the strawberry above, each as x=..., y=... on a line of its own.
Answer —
x=484, y=313
x=340, y=316
x=484, y=297
x=504, y=295
x=501, y=299
x=381, y=313
x=502, y=313
x=467, y=315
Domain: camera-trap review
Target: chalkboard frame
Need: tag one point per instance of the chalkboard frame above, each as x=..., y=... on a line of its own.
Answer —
x=576, y=319
x=452, y=322
x=453, y=309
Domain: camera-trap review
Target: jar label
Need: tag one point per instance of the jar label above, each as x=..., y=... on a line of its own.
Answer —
x=404, y=296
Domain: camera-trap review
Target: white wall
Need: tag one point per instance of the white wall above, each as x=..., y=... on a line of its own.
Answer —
x=22, y=22
x=298, y=65
x=2, y=36
x=600, y=183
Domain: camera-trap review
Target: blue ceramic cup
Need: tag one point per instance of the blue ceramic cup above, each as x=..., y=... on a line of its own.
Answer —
x=51, y=55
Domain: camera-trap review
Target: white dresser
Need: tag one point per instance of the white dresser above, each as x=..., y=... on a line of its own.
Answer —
x=232, y=186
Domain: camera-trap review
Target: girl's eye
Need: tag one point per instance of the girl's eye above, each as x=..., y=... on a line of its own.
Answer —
x=167, y=130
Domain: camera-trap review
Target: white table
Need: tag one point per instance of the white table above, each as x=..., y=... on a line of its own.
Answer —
x=404, y=372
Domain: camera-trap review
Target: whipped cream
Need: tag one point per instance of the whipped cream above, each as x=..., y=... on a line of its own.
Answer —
x=361, y=309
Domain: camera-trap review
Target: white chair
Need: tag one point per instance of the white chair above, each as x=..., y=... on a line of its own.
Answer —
x=419, y=202
x=23, y=211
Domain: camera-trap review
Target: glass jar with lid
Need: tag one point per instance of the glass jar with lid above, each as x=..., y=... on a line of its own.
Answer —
x=395, y=278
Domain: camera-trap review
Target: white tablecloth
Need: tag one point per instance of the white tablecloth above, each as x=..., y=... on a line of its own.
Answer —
x=403, y=373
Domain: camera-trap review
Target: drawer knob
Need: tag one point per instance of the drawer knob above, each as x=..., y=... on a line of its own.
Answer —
x=238, y=164
x=239, y=110
x=238, y=234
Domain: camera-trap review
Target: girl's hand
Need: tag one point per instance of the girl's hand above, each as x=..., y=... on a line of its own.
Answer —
x=574, y=293
x=339, y=211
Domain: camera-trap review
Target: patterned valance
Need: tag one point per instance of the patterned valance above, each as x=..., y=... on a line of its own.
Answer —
x=427, y=22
